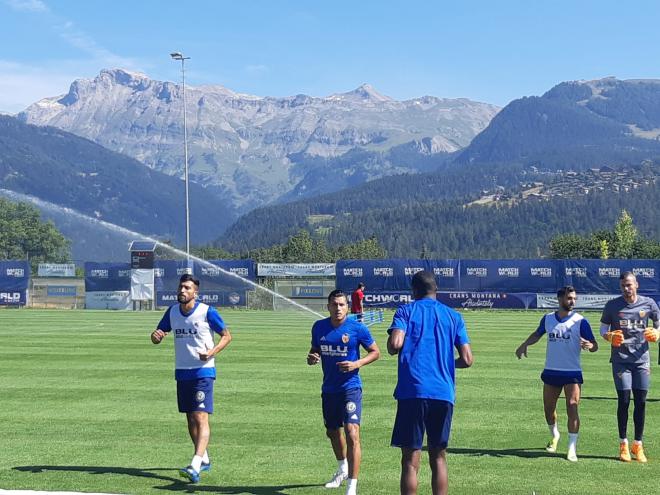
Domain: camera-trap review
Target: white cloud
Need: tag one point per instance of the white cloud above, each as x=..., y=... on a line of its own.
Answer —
x=27, y=5
x=83, y=42
x=74, y=37
x=22, y=85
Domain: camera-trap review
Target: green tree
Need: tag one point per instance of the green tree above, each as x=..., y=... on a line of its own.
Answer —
x=298, y=249
x=211, y=253
x=625, y=236
x=604, y=249
x=24, y=235
x=566, y=246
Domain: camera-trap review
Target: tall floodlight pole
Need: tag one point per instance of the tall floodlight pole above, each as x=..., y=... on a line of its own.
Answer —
x=179, y=56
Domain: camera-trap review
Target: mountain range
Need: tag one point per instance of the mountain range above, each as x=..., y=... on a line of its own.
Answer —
x=345, y=167
x=257, y=150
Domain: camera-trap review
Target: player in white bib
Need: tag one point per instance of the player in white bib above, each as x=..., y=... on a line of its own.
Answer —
x=568, y=333
x=193, y=325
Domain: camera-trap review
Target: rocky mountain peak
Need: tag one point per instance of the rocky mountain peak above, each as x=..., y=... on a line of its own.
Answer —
x=255, y=148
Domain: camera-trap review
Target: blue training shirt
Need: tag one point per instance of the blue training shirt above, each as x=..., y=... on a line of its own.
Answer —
x=426, y=361
x=339, y=344
x=192, y=334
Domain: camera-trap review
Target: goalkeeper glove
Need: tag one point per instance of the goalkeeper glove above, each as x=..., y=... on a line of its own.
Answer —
x=651, y=335
x=615, y=337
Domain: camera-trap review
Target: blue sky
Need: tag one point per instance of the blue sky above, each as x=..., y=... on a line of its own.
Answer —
x=491, y=51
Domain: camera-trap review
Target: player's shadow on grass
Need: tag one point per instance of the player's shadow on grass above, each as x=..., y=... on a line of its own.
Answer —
x=176, y=484
x=533, y=453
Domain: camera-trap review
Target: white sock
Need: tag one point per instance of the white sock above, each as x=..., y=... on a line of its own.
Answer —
x=351, y=486
x=553, y=430
x=637, y=442
x=623, y=440
x=205, y=458
x=196, y=462
x=572, y=440
x=342, y=465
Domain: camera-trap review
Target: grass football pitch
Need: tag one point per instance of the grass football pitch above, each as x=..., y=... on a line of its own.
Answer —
x=88, y=404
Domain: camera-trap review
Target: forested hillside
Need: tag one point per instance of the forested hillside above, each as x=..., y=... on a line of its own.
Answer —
x=448, y=229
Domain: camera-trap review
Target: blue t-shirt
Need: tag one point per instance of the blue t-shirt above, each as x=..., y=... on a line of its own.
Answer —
x=339, y=344
x=426, y=361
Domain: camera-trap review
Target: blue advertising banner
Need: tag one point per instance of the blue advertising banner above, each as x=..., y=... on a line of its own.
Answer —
x=168, y=272
x=225, y=274
x=456, y=299
x=61, y=291
x=14, y=280
x=212, y=298
x=487, y=300
x=220, y=275
x=107, y=277
x=511, y=276
x=394, y=274
x=602, y=276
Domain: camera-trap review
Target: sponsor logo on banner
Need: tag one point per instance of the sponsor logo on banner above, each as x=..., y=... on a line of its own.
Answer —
x=447, y=271
x=386, y=299
x=477, y=271
x=576, y=272
x=107, y=300
x=384, y=272
x=644, y=272
x=183, y=271
x=234, y=298
x=508, y=272
x=99, y=273
x=411, y=270
x=209, y=298
x=296, y=269
x=15, y=272
x=477, y=299
x=61, y=291
x=56, y=270
x=159, y=272
x=353, y=272
x=124, y=273
x=243, y=272
x=10, y=297
x=584, y=301
x=314, y=291
x=541, y=271
x=210, y=271
x=609, y=272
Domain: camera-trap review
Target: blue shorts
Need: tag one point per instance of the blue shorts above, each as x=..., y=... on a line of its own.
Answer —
x=414, y=416
x=195, y=395
x=557, y=378
x=342, y=408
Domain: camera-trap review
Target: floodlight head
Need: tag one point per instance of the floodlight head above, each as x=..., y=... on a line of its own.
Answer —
x=176, y=55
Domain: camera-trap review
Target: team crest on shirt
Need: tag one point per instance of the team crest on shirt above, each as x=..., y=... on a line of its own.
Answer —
x=345, y=338
x=200, y=396
x=642, y=313
x=351, y=407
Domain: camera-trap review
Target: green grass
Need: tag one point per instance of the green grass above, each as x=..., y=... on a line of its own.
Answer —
x=87, y=403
